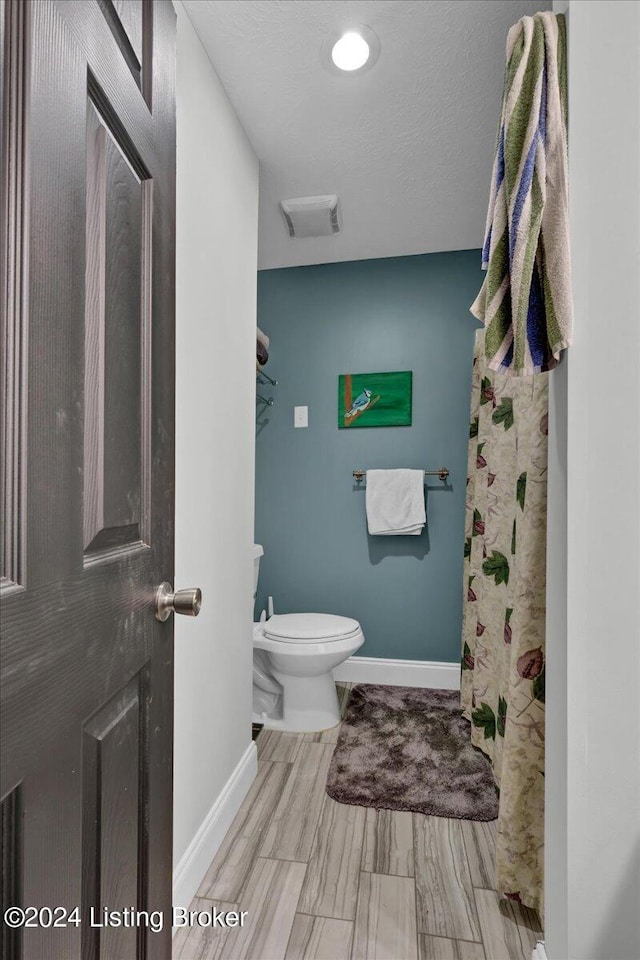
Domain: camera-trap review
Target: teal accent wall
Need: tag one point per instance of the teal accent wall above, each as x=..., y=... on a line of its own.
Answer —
x=402, y=313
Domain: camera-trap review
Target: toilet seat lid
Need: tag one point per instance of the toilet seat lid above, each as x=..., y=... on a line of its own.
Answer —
x=309, y=627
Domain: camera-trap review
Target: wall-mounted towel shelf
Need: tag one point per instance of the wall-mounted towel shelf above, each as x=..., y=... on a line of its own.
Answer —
x=263, y=379
x=266, y=378
x=443, y=473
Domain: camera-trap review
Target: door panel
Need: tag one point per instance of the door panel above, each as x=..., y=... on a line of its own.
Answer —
x=130, y=23
x=13, y=316
x=115, y=815
x=117, y=343
x=10, y=869
x=86, y=671
x=129, y=13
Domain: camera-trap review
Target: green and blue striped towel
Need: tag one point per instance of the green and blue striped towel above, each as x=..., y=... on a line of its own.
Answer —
x=525, y=302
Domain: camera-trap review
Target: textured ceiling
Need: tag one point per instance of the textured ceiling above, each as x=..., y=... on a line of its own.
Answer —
x=407, y=146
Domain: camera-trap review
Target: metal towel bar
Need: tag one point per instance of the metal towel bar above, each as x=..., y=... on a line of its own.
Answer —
x=443, y=473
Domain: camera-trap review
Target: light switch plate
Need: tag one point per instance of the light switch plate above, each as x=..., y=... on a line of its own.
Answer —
x=301, y=416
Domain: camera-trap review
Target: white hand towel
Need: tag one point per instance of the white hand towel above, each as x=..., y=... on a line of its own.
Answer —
x=395, y=502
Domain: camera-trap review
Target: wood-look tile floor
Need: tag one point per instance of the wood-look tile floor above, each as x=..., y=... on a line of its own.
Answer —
x=322, y=880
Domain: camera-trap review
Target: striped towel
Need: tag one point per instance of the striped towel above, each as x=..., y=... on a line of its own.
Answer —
x=525, y=301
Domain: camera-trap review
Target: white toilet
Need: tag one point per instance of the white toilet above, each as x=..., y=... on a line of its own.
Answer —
x=294, y=655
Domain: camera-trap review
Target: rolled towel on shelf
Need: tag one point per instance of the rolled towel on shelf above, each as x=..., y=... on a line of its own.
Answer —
x=262, y=354
x=395, y=503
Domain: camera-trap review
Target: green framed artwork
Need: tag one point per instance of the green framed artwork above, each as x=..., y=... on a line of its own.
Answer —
x=374, y=399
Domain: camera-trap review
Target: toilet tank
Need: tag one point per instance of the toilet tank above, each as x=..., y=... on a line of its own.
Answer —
x=257, y=553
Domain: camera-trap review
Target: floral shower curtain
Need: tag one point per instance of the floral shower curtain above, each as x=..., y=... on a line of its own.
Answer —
x=504, y=610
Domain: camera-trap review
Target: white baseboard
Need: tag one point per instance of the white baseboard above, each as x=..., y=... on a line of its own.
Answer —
x=400, y=673
x=195, y=862
x=539, y=952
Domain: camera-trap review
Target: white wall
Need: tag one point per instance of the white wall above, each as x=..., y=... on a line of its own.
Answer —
x=593, y=641
x=217, y=206
x=556, y=822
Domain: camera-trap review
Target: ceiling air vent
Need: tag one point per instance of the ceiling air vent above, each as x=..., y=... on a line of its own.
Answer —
x=312, y=216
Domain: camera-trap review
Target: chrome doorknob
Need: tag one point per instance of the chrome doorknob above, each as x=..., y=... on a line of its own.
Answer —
x=186, y=602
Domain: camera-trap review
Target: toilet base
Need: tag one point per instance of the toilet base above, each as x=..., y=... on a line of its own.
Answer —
x=310, y=704
x=270, y=724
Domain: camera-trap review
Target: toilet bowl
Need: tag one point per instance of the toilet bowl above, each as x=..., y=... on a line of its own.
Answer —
x=294, y=658
x=302, y=650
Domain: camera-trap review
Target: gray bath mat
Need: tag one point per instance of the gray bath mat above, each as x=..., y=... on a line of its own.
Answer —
x=406, y=748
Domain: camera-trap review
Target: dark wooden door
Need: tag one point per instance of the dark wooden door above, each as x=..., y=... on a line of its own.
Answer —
x=87, y=392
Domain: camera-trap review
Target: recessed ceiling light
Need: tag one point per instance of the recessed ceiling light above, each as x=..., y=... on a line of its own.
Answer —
x=350, y=52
